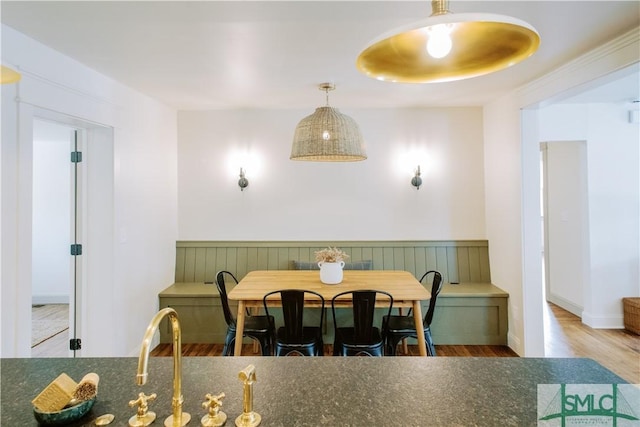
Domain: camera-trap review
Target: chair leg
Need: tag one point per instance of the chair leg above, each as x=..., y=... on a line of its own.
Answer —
x=278, y=351
x=431, y=348
x=229, y=340
x=388, y=347
x=266, y=346
x=228, y=348
x=337, y=348
x=392, y=345
x=405, y=347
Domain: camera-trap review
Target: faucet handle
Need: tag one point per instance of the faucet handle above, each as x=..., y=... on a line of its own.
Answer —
x=215, y=417
x=144, y=417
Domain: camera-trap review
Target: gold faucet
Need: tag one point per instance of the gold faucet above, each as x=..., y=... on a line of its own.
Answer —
x=178, y=418
x=249, y=418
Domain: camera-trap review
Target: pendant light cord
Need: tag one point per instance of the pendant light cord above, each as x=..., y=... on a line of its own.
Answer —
x=326, y=87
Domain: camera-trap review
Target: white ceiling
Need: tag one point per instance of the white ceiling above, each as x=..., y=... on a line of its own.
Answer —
x=196, y=55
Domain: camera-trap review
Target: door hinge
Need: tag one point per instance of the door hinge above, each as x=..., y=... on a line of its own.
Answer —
x=76, y=249
x=75, y=344
x=76, y=156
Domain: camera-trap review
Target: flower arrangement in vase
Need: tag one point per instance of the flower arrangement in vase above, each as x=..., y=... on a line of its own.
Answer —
x=331, y=263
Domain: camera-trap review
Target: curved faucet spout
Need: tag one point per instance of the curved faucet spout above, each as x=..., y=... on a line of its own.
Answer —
x=178, y=418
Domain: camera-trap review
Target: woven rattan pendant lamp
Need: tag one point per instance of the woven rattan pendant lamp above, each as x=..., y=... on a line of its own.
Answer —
x=327, y=136
x=448, y=46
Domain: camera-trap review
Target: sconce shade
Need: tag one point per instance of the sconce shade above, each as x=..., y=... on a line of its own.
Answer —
x=328, y=136
x=243, y=182
x=416, y=181
x=480, y=44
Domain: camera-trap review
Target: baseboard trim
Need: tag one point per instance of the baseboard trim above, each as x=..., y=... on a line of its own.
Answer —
x=596, y=322
x=514, y=343
x=565, y=304
x=49, y=299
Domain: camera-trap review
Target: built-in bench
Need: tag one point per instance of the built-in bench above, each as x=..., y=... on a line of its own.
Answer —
x=472, y=312
x=467, y=313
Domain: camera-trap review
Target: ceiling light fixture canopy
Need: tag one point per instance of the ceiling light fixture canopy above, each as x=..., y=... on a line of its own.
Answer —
x=447, y=47
x=328, y=136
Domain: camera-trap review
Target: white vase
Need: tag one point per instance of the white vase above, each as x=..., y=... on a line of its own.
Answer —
x=331, y=272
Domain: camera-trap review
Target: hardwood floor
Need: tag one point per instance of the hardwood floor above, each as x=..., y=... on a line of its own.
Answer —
x=616, y=349
x=50, y=330
x=248, y=349
x=56, y=346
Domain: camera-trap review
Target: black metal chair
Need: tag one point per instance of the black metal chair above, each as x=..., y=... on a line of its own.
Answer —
x=258, y=328
x=294, y=337
x=400, y=327
x=363, y=338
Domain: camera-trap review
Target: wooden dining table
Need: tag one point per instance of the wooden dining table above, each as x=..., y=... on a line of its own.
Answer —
x=406, y=290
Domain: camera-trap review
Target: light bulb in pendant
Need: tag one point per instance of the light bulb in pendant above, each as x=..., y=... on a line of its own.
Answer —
x=439, y=43
x=326, y=135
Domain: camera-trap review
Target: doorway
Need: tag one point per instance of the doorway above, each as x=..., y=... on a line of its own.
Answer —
x=55, y=227
x=565, y=222
x=92, y=209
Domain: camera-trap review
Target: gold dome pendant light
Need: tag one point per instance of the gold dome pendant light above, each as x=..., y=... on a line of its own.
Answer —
x=327, y=136
x=448, y=46
x=8, y=75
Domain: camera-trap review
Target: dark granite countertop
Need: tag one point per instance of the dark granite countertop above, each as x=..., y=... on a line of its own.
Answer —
x=297, y=391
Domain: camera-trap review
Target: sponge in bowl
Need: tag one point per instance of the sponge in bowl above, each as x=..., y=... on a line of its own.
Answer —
x=87, y=387
x=56, y=395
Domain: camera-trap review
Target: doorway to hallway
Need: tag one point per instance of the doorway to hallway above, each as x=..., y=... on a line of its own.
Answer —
x=56, y=230
x=564, y=219
x=82, y=203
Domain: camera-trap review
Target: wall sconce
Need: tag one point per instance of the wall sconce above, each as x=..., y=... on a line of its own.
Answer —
x=416, y=181
x=243, y=182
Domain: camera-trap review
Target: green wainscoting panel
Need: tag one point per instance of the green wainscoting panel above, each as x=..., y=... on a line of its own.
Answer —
x=200, y=312
x=472, y=312
x=470, y=321
x=469, y=313
x=458, y=261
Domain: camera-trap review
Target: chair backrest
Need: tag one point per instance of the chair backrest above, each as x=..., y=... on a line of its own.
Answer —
x=364, y=304
x=292, y=301
x=222, y=289
x=436, y=287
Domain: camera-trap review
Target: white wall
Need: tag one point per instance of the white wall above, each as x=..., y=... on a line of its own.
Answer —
x=138, y=257
x=369, y=200
x=614, y=214
x=52, y=180
x=512, y=184
x=504, y=206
